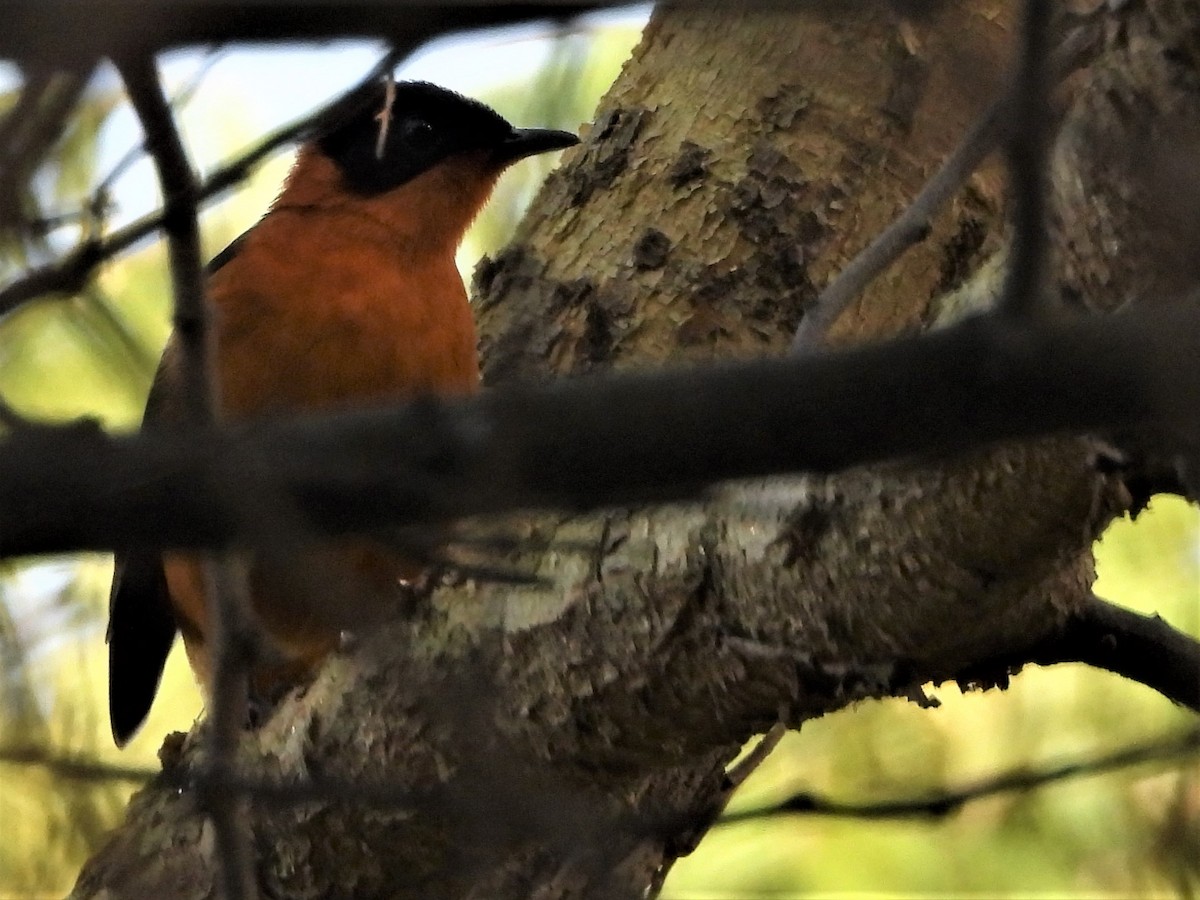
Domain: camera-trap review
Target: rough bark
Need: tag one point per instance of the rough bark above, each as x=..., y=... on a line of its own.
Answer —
x=566, y=740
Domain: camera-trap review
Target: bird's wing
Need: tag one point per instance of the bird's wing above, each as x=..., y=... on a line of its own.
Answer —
x=141, y=624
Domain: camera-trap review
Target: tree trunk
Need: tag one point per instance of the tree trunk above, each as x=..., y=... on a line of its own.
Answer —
x=571, y=739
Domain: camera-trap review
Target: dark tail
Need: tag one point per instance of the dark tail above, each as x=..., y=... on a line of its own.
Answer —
x=141, y=629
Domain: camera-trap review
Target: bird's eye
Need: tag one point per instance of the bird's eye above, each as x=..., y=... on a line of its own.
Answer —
x=417, y=133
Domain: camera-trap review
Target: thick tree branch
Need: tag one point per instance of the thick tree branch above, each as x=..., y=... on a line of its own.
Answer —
x=57, y=29
x=561, y=445
x=1142, y=648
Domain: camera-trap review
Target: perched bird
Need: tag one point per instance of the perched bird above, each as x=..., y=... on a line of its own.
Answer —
x=345, y=293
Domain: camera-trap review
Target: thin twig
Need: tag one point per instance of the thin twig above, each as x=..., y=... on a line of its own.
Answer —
x=35, y=83
x=75, y=768
x=232, y=650
x=749, y=764
x=69, y=274
x=192, y=332
x=943, y=803
x=735, y=777
x=1027, y=145
x=912, y=225
x=33, y=126
x=179, y=101
x=198, y=405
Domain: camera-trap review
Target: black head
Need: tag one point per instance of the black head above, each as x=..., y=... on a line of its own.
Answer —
x=427, y=125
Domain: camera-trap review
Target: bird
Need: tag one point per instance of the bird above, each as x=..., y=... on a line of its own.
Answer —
x=344, y=294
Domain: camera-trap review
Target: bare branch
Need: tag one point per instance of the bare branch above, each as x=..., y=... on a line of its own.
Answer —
x=179, y=101
x=944, y=803
x=912, y=225
x=735, y=777
x=559, y=445
x=1029, y=106
x=197, y=396
x=75, y=768
x=1142, y=648
x=54, y=30
x=33, y=126
x=69, y=274
x=180, y=206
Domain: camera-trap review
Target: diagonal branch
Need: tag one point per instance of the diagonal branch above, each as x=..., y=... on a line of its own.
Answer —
x=32, y=127
x=678, y=847
x=71, y=273
x=912, y=225
x=183, y=96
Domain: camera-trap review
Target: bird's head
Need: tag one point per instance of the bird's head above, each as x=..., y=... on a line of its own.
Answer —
x=397, y=132
x=421, y=153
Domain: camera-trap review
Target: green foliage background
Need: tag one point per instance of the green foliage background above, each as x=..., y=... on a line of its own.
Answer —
x=1134, y=832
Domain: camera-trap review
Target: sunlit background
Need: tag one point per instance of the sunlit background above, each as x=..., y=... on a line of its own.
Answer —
x=1115, y=834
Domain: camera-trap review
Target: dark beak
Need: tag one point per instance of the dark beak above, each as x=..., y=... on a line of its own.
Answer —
x=525, y=142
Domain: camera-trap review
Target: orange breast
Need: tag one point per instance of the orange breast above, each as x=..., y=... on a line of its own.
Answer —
x=318, y=311
x=312, y=321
